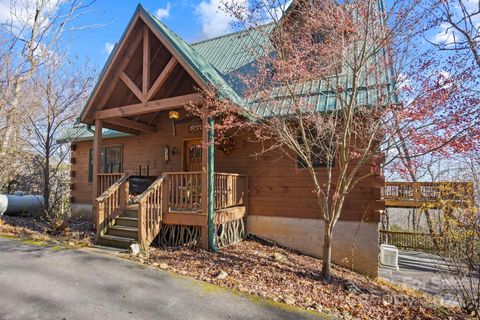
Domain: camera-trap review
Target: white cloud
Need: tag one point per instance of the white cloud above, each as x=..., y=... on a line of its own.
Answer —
x=275, y=13
x=21, y=13
x=444, y=36
x=163, y=13
x=214, y=20
x=109, y=47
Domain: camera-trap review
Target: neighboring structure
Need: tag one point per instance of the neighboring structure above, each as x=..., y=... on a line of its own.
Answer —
x=145, y=163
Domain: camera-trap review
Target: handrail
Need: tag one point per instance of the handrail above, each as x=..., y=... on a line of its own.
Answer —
x=111, y=203
x=113, y=187
x=150, y=207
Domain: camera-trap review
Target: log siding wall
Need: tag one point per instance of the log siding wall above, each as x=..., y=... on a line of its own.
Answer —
x=276, y=186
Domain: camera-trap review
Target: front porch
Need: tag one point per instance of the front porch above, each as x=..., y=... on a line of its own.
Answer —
x=171, y=208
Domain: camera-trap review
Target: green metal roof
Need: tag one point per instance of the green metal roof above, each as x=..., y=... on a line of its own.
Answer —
x=219, y=61
x=82, y=132
x=202, y=67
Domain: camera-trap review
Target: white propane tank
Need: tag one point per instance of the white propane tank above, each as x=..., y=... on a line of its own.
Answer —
x=20, y=204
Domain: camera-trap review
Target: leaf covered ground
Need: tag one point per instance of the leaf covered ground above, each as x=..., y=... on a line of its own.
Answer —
x=263, y=269
x=256, y=267
x=75, y=233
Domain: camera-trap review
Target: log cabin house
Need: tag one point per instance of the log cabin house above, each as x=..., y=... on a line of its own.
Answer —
x=142, y=167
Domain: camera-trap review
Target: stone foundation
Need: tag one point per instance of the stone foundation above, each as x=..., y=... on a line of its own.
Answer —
x=355, y=244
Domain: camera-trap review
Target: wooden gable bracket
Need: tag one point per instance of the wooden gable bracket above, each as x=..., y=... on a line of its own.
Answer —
x=123, y=64
x=161, y=78
x=132, y=86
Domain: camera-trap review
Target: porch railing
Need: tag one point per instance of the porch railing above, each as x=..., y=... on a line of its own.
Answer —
x=230, y=190
x=185, y=190
x=105, y=180
x=111, y=203
x=150, y=206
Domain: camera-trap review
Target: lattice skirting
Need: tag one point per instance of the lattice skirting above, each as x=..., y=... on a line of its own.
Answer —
x=230, y=232
x=172, y=235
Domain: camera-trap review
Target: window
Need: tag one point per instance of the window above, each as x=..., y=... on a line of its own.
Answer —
x=319, y=157
x=110, y=162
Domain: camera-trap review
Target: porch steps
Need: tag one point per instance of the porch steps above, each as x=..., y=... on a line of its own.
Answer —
x=124, y=230
x=116, y=242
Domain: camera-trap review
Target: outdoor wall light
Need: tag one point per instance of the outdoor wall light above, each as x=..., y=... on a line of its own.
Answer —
x=173, y=115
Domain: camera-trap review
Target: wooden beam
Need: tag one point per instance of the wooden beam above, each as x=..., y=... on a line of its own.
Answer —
x=132, y=124
x=146, y=64
x=148, y=107
x=123, y=64
x=162, y=77
x=97, y=155
x=132, y=86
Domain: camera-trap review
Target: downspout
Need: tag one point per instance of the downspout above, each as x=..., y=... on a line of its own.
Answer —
x=211, y=195
x=89, y=128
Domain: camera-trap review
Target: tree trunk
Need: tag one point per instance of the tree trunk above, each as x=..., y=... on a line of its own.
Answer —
x=327, y=253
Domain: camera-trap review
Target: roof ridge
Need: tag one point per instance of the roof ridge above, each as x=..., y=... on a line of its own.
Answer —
x=230, y=34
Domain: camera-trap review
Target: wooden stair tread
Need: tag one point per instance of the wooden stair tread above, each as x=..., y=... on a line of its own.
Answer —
x=117, y=238
x=125, y=228
x=127, y=218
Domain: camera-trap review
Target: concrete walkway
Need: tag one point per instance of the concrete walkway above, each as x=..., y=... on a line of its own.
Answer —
x=37, y=282
x=422, y=271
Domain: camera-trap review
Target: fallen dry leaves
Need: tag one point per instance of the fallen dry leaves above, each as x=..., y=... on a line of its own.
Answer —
x=77, y=233
x=276, y=273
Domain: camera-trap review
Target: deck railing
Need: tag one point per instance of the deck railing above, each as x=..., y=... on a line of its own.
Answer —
x=105, y=180
x=230, y=190
x=412, y=240
x=111, y=203
x=426, y=191
x=150, y=206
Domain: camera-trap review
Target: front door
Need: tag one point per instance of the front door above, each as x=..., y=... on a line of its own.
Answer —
x=192, y=155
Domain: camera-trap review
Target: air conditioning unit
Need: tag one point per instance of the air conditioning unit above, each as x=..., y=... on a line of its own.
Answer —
x=389, y=256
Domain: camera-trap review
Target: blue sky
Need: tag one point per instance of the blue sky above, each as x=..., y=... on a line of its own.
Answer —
x=192, y=20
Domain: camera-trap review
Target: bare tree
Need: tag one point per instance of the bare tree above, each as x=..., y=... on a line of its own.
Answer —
x=458, y=25
x=59, y=94
x=30, y=37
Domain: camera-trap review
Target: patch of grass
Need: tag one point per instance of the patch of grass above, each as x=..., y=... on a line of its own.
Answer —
x=8, y=236
x=34, y=242
x=58, y=248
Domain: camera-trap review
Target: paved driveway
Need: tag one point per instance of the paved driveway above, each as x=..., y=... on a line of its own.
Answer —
x=37, y=282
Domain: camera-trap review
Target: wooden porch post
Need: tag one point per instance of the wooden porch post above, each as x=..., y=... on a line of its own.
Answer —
x=97, y=154
x=204, y=228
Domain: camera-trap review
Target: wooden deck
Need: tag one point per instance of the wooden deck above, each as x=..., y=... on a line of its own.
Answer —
x=421, y=194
